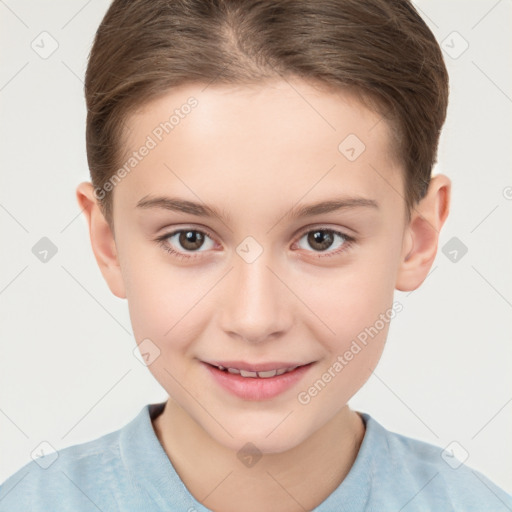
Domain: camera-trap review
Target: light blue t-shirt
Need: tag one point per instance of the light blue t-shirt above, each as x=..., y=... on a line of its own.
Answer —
x=129, y=471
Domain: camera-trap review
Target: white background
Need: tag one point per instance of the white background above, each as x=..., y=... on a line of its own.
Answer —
x=67, y=372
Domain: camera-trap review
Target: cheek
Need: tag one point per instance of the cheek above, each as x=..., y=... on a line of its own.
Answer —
x=348, y=300
x=167, y=305
x=358, y=308
x=355, y=305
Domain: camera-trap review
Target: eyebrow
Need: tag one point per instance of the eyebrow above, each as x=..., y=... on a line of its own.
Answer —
x=180, y=205
x=204, y=210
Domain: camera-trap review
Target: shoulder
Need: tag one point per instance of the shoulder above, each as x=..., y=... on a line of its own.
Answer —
x=59, y=480
x=424, y=476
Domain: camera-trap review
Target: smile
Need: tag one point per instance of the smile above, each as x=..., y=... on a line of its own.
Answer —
x=256, y=381
x=256, y=375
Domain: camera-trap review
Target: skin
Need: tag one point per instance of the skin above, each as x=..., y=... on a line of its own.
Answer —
x=254, y=153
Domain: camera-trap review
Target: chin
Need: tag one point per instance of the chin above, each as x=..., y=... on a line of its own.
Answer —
x=271, y=436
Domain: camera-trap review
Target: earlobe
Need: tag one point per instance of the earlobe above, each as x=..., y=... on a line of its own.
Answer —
x=102, y=239
x=422, y=234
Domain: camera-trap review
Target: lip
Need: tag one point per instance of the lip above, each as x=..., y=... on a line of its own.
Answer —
x=250, y=388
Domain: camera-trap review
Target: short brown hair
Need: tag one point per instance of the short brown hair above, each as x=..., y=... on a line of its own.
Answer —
x=381, y=49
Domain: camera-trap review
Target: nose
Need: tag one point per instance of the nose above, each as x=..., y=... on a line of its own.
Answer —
x=256, y=303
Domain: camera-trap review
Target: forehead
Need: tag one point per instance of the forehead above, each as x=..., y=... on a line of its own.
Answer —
x=245, y=140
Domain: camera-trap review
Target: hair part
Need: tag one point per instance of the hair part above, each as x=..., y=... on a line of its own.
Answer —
x=382, y=50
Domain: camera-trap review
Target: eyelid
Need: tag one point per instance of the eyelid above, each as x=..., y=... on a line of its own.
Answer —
x=191, y=227
x=325, y=227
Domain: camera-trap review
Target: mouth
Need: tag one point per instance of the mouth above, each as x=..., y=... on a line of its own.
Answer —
x=275, y=369
x=256, y=381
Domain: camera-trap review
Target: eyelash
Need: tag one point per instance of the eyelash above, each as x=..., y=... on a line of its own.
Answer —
x=348, y=242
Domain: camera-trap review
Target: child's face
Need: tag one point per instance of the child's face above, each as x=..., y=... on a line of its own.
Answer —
x=256, y=155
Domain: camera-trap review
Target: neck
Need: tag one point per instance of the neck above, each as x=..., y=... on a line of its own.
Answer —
x=298, y=479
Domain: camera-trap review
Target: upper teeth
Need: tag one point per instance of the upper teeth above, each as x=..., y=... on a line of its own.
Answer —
x=262, y=375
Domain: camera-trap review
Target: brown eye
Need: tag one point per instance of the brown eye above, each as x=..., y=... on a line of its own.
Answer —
x=320, y=240
x=191, y=240
x=187, y=240
x=325, y=240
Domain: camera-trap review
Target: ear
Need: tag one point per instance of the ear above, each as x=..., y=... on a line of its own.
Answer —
x=102, y=239
x=421, y=236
